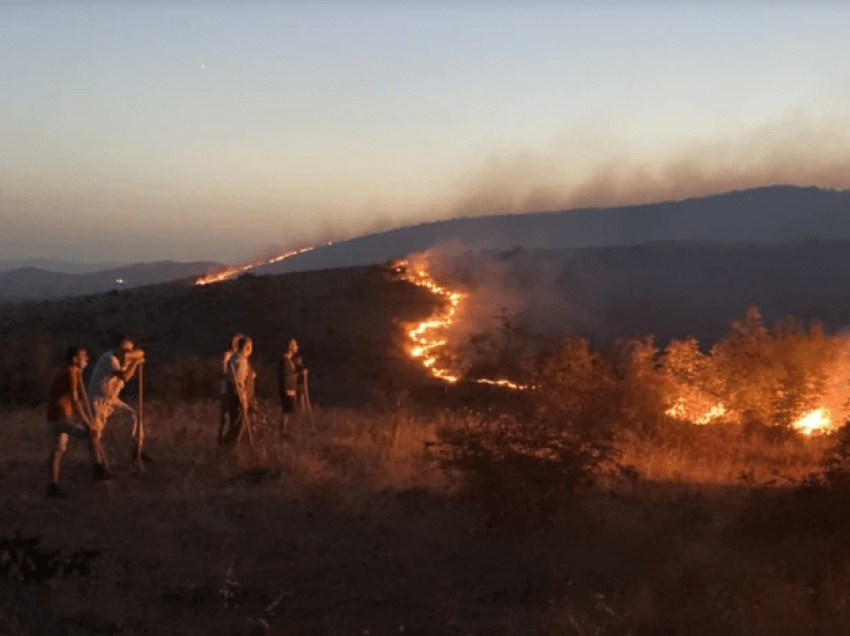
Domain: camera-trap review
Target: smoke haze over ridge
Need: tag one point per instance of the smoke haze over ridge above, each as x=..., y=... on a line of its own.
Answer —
x=211, y=131
x=801, y=149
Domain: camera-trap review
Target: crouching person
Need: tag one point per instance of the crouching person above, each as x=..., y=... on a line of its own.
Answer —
x=112, y=371
x=68, y=415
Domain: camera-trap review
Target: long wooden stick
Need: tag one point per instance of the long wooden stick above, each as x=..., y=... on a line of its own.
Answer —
x=307, y=401
x=85, y=400
x=140, y=422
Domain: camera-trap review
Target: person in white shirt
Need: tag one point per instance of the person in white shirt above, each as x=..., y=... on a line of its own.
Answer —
x=240, y=377
x=111, y=372
x=224, y=393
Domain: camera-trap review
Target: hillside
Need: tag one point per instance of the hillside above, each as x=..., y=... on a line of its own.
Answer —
x=354, y=526
x=346, y=322
x=670, y=290
x=759, y=216
x=769, y=215
x=350, y=321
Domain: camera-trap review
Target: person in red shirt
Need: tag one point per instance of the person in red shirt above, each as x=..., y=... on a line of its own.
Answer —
x=68, y=414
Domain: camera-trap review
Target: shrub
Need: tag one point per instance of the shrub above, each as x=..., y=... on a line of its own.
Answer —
x=528, y=468
x=525, y=467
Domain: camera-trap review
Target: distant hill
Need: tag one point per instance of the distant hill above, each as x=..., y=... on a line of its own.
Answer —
x=32, y=283
x=758, y=216
x=50, y=265
x=769, y=215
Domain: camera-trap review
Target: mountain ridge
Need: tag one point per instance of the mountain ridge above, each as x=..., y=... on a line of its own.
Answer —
x=770, y=214
x=33, y=283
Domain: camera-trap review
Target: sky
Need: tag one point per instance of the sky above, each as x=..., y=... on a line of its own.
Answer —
x=219, y=131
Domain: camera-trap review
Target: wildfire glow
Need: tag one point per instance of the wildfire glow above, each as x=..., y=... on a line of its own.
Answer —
x=426, y=338
x=817, y=421
x=681, y=411
x=425, y=342
x=233, y=272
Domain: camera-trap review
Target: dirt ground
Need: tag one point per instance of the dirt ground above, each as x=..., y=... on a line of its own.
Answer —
x=351, y=530
x=206, y=544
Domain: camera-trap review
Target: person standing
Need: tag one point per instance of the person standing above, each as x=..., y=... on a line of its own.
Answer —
x=241, y=389
x=111, y=372
x=225, y=391
x=291, y=375
x=68, y=415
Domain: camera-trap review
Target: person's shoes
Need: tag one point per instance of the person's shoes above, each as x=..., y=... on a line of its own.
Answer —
x=54, y=492
x=101, y=474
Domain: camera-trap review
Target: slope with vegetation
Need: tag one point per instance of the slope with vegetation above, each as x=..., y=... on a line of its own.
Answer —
x=581, y=506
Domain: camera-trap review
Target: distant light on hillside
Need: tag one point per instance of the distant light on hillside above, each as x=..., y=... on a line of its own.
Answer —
x=120, y=281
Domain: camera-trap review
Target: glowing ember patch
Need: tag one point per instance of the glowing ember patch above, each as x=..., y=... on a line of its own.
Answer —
x=682, y=411
x=817, y=421
x=718, y=410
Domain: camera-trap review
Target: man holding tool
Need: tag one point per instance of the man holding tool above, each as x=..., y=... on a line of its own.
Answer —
x=113, y=370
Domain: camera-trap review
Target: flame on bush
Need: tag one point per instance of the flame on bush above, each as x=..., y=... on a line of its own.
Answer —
x=681, y=410
x=817, y=421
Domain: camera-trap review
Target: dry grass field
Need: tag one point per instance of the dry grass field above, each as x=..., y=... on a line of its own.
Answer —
x=354, y=529
x=360, y=527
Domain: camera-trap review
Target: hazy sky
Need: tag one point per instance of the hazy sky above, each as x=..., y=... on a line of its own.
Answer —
x=193, y=130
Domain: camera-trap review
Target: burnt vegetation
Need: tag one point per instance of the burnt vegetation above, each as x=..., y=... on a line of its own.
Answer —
x=589, y=501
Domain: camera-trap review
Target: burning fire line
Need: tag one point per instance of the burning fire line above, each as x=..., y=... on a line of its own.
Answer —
x=425, y=343
x=816, y=421
x=233, y=272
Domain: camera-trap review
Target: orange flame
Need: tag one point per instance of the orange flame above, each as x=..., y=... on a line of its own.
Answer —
x=233, y=272
x=817, y=421
x=425, y=339
x=681, y=410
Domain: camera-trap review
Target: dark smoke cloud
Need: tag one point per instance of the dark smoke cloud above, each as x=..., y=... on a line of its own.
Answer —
x=518, y=286
x=802, y=149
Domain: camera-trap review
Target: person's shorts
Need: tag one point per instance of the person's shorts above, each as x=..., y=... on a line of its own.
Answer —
x=289, y=403
x=65, y=428
x=103, y=408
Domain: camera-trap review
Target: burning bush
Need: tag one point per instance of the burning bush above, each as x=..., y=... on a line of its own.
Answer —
x=578, y=401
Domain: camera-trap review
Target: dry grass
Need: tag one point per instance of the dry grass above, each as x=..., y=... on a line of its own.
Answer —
x=724, y=454
x=353, y=529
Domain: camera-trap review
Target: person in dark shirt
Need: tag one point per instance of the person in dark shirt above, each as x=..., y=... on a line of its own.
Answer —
x=68, y=414
x=291, y=375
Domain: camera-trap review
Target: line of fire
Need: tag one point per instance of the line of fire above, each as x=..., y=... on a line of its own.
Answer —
x=428, y=338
